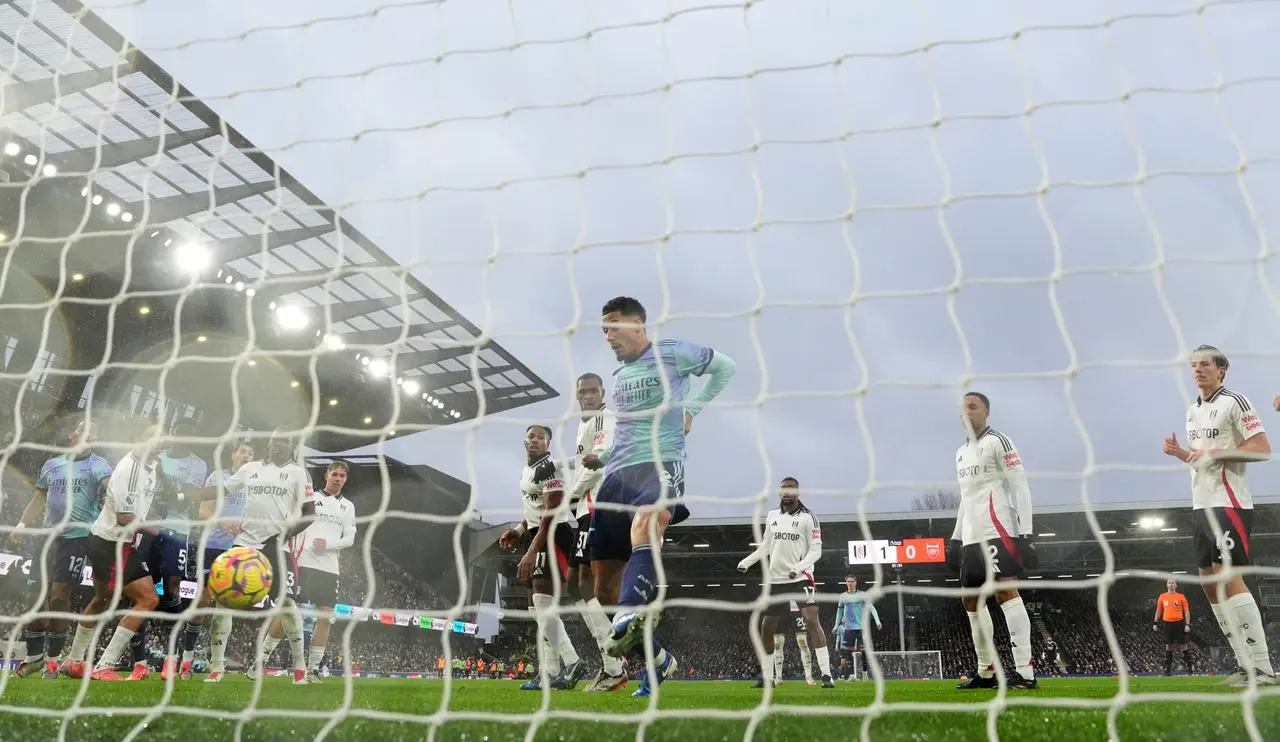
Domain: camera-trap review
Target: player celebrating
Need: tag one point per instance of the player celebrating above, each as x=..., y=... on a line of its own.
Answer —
x=994, y=528
x=68, y=491
x=595, y=432
x=119, y=564
x=847, y=629
x=278, y=505
x=219, y=539
x=643, y=488
x=317, y=548
x=548, y=539
x=1173, y=622
x=1224, y=432
x=792, y=544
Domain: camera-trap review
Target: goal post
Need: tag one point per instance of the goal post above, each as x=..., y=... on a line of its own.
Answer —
x=924, y=664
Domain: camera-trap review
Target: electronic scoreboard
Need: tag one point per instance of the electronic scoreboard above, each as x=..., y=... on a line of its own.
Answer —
x=905, y=551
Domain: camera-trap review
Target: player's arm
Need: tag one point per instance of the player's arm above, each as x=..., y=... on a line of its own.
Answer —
x=955, y=545
x=699, y=360
x=1248, y=426
x=875, y=615
x=125, y=498
x=1155, y=620
x=594, y=460
x=348, y=537
x=306, y=512
x=37, y=504
x=1016, y=486
x=839, y=617
x=766, y=543
x=813, y=553
x=1186, y=612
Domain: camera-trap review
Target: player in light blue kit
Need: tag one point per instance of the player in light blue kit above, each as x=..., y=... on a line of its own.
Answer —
x=643, y=483
x=847, y=630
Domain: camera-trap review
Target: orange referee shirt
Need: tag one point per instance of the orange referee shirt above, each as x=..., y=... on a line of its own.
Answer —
x=1173, y=607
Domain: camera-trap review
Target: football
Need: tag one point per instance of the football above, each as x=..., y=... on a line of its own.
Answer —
x=240, y=578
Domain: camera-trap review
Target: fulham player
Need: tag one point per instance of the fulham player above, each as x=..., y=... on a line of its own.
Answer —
x=992, y=540
x=595, y=436
x=547, y=537
x=119, y=560
x=1224, y=432
x=333, y=530
x=791, y=546
x=278, y=505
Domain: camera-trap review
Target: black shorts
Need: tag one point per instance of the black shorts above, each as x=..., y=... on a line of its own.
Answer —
x=284, y=577
x=64, y=563
x=786, y=603
x=624, y=491
x=317, y=587
x=168, y=557
x=851, y=640
x=582, y=552
x=1004, y=560
x=1236, y=527
x=117, y=561
x=1174, y=632
x=561, y=547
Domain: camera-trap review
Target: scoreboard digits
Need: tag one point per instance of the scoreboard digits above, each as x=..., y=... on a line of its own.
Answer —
x=906, y=551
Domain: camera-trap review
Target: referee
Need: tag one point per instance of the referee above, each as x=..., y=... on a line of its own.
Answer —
x=1173, y=622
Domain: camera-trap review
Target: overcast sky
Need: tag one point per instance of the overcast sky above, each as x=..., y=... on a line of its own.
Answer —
x=862, y=266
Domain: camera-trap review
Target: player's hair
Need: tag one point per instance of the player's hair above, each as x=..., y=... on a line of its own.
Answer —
x=626, y=306
x=339, y=464
x=1219, y=358
x=544, y=429
x=986, y=403
x=589, y=376
x=793, y=480
x=850, y=576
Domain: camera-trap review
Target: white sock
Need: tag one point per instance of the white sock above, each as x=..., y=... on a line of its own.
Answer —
x=1015, y=616
x=802, y=643
x=219, y=632
x=119, y=642
x=557, y=637
x=600, y=625
x=983, y=640
x=766, y=669
x=269, y=645
x=824, y=661
x=80, y=644
x=188, y=655
x=293, y=632
x=779, y=654
x=1226, y=622
x=550, y=659
x=1248, y=622
x=315, y=656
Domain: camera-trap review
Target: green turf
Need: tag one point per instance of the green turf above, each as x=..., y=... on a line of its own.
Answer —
x=691, y=710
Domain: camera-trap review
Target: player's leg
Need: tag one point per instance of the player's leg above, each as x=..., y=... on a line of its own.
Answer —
x=768, y=630
x=173, y=563
x=200, y=567
x=1019, y=623
x=321, y=591
x=1233, y=605
x=582, y=579
x=779, y=653
x=557, y=555
x=818, y=640
x=973, y=574
x=140, y=590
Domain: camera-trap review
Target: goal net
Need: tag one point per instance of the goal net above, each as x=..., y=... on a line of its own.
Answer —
x=382, y=232
x=912, y=665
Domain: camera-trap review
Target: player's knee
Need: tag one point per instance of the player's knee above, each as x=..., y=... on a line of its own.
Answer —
x=1004, y=596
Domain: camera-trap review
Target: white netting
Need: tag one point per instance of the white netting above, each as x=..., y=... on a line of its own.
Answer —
x=870, y=205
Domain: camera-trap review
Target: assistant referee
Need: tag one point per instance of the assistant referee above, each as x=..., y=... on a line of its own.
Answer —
x=1173, y=622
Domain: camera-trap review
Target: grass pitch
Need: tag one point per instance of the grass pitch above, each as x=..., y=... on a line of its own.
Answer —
x=381, y=710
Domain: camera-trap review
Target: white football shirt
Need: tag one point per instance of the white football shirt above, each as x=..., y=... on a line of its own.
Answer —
x=273, y=499
x=335, y=522
x=595, y=434
x=539, y=480
x=995, y=500
x=1224, y=420
x=792, y=543
x=131, y=490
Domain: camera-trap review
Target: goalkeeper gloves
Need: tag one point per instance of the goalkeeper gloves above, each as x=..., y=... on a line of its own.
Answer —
x=954, y=551
x=1027, y=552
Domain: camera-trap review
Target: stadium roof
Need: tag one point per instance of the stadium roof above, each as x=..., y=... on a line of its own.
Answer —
x=80, y=98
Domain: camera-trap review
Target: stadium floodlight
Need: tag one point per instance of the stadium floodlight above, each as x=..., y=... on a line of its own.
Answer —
x=334, y=342
x=1048, y=535
x=201, y=338
x=126, y=217
x=4, y=236
x=12, y=148
x=378, y=367
x=702, y=546
x=1108, y=532
x=333, y=402
x=368, y=421
x=1169, y=529
x=30, y=160
x=49, y=170
x=252, y=362
x=411, y=387
x=295, y=384
x=113, y=209
x=291, y=318
x=1150, y=523
x=192, y=258
x=97, y=199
